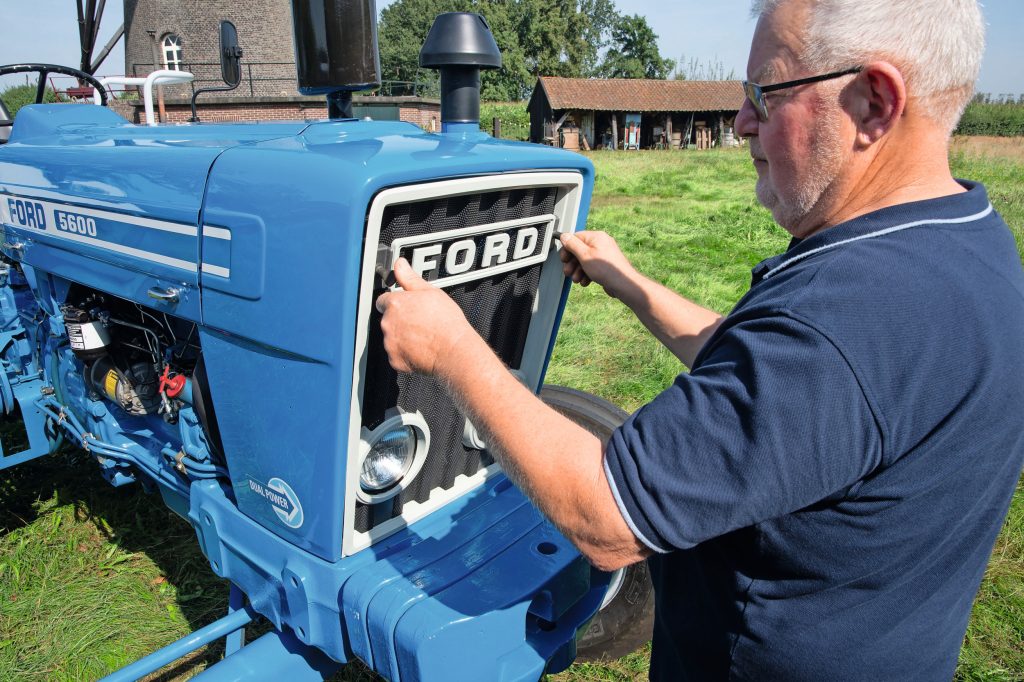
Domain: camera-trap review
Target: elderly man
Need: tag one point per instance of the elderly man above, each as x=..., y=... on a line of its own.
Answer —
x=820, y=494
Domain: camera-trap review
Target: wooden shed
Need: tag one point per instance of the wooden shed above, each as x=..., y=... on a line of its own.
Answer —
x=632, y=113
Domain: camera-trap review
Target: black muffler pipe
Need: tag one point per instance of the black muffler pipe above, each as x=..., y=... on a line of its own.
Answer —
x=459, y=44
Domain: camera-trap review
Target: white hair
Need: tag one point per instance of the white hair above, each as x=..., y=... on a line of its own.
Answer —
x=936, y=44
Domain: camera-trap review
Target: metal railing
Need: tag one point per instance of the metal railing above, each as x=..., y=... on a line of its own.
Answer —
x=258, y=78
x=277, y=78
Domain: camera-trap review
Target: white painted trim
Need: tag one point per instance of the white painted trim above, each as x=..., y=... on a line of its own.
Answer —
x=137, y=221
x=51, y=230
x=565, y=216
x=127, y=250
x=217, y=270
x=216, y=232
x=879, y=233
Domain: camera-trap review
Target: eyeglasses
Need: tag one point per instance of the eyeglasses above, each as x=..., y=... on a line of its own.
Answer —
x=755, y=93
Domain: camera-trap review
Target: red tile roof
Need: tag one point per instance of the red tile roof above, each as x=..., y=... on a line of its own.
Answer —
x=622, y=94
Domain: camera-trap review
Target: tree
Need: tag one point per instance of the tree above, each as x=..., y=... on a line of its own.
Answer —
x=536, y=38
x=601, y=18
x=402, y=29
x=513, y=80
x=634, y=51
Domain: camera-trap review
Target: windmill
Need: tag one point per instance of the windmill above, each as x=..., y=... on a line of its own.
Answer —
x=90, y=13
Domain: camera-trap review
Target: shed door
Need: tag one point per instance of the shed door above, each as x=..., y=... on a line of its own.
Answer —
x=587, y=127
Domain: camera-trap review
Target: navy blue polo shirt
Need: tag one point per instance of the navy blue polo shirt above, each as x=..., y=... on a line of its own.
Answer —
x=824, y=488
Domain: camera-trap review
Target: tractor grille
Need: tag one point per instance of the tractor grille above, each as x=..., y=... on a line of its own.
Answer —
x=499, y=307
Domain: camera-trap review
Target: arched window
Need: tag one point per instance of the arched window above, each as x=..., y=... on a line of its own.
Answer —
x=172, y=52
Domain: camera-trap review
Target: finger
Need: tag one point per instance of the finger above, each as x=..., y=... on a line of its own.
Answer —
x=584, y=281
x=574, y=245
x=382, y=303
x=407, y=278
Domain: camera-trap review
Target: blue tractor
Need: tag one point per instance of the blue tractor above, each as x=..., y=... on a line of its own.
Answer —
x=193, y=305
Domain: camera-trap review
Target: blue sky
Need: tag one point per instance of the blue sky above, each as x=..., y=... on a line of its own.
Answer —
x=47, y=31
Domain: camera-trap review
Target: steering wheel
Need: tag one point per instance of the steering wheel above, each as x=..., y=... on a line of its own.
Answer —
x=46, y=69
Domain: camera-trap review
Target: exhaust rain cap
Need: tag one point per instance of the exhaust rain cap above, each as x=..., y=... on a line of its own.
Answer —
x=459, y=44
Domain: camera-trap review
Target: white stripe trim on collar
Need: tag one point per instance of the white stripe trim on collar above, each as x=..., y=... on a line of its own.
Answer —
x=879, y=233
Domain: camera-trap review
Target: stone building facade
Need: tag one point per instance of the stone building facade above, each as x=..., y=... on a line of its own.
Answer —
x=185, y=35
x=264, y=33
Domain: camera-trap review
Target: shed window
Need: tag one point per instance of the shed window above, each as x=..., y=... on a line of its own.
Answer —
x=172, y=52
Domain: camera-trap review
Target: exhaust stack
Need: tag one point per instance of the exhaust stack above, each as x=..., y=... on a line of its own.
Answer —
x=459, y=44
x=336, y=50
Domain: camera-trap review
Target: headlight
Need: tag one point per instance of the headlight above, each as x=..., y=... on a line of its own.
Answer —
x=391, y=455
x=389, y=459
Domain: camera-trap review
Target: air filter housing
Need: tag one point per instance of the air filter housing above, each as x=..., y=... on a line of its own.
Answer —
x=459, y=45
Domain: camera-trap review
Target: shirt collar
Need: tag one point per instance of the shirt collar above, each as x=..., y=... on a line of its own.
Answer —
x=954, y=206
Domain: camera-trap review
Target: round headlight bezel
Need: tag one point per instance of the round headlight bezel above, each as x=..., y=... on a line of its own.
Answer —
x=394, y=421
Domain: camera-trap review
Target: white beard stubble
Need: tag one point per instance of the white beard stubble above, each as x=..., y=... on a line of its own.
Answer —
x=826, y=161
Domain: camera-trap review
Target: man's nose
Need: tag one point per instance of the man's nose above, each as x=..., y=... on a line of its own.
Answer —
x=746, y=120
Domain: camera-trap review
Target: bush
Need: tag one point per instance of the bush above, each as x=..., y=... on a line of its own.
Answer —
x=1003, y=119
x=515, y=119
x=17, y=96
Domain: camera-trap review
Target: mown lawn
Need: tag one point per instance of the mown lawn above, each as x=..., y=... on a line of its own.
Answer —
x=93, y=577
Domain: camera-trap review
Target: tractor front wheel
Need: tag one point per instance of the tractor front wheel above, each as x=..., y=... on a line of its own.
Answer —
x=626, y=618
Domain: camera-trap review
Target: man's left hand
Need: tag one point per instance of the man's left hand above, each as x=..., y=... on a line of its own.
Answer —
x=422, y=325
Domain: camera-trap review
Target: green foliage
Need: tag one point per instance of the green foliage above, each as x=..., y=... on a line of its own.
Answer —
x=536, y=38
x=403, y=28
x=515, y=119
x=17, y=96
x=634, y=51
x=1003, y=119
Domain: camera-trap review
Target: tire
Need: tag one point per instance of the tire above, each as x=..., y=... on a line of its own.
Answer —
x=626, y=619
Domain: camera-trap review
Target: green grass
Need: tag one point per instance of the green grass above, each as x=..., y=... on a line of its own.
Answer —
x=687, y=220
x=92, y=577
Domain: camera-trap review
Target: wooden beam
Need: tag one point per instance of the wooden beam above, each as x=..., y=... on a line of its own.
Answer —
x=106, y=49
x=615, y=132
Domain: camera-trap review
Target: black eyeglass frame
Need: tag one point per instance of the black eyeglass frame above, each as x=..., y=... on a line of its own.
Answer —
x=755, y=92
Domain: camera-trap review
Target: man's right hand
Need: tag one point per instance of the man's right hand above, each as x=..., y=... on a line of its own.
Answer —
x=682, y=325
x=595, y=257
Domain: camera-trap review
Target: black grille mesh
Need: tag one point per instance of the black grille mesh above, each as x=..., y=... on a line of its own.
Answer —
x=499, y=308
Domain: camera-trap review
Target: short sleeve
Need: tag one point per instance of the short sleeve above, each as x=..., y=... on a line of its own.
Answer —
x=771, y=421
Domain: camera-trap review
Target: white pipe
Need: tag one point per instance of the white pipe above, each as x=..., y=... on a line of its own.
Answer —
x=159, y=77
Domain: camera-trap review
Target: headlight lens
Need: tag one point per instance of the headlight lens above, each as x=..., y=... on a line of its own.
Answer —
x=389, y=459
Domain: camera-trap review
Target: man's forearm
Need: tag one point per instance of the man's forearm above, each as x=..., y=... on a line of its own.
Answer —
x=557, y=463
x=681, y=325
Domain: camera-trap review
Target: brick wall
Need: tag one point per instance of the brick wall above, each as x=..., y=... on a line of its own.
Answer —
x=235, y=113
x=426, y=115
x=125, y=109
x=421, y=112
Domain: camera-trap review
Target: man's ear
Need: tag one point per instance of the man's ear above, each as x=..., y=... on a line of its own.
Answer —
x=879, y=97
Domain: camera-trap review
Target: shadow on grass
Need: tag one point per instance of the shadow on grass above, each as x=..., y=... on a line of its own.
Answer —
x=130, y=522
x=126, y=518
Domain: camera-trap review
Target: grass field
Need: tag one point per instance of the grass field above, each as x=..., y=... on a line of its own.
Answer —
x=93, y=577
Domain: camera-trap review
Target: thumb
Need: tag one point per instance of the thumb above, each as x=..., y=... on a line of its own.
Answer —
x=574, y=245
x=407, y=278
